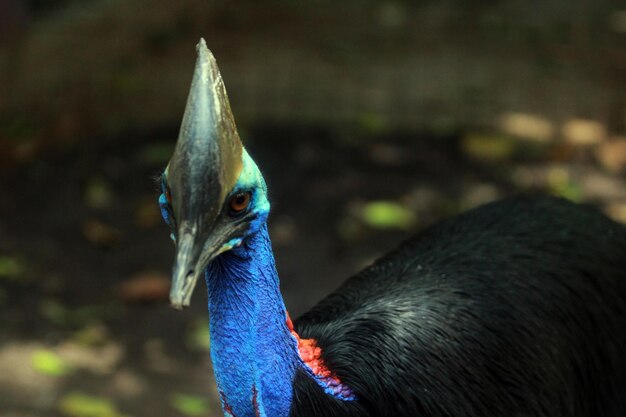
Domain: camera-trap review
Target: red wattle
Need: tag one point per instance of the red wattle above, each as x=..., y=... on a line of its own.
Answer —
x=311, y=355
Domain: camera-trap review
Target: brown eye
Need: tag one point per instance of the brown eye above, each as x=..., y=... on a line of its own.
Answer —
x=168, y=196
x=239, y=202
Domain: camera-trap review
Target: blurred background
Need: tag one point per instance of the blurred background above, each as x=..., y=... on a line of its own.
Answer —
x=370, y=119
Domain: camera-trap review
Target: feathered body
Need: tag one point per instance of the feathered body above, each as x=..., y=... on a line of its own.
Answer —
x=516, y=308
x=513, y=309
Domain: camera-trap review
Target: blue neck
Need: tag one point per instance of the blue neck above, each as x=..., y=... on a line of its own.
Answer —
x=254, y=355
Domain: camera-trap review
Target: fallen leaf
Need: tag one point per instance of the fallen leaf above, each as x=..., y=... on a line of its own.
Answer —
x=49, y=363
x=562, y=152
x=91, y=335
x=562, y=185
x=18, y=376
x=157, y=357
x=99, y=360
x=11, y=267
x=101, y=234
x=388, y=215
x=528, y=126
x=488, y=147
x=147, y=286
x=617, y=211
x=478, y=194
x=198, y=336
x=98, y=194
x=190, y=405
x=612, y=155
x=582, y=132
x=351, y=228
x=372, y=123
x=129, y=384
x=147, y=213
x=77, y=404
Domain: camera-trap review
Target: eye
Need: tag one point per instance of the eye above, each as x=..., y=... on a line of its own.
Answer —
x=239, y=202
x=165, y=189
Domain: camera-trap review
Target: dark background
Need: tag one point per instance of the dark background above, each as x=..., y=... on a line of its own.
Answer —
x=369, y=119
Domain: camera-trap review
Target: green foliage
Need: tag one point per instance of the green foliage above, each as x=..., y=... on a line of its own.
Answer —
x=49, y=363
x=190, y=405
x=98, y=194
x=488, y=147
x=91, y=335
x=388, y=215
x=198, y=335
x=77, y=404
x=570, y=191
x=11, y=267
x=372, y=123
x=561, y=184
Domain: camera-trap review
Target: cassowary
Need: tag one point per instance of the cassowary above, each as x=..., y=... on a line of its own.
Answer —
x=516, y=308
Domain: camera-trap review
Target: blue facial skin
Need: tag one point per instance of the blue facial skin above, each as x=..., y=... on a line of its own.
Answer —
x=254, y=354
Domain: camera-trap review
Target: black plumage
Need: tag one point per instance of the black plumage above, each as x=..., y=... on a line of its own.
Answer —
x=516, y=308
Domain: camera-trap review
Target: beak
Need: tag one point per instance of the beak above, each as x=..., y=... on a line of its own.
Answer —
x=185, y=274
x=191, y=262
x=204, y=168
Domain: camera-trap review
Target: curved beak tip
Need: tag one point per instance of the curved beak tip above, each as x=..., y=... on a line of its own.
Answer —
x=182, y=289
x=178, y=304
x=176, y=301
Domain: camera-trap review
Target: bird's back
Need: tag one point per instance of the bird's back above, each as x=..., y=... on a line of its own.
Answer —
x=516, y=308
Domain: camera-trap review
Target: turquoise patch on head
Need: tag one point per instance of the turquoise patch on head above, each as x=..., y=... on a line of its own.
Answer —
x=164, y=206
x=251, y=179
x=166, y=213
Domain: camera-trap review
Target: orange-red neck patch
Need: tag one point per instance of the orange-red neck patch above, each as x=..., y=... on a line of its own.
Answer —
x=311, y=355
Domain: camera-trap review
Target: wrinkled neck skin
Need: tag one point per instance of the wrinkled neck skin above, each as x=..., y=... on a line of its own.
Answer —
x=254, y=354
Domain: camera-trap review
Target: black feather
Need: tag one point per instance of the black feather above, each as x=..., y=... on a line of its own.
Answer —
x=516, y=308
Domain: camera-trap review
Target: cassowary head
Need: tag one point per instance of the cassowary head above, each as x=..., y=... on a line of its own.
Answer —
x=213, y=194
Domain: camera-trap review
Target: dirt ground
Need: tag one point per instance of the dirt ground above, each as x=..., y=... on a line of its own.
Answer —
x=77, y=226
